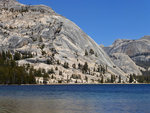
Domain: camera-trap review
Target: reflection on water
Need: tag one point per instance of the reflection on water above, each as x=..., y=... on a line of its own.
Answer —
x=44, y=106
x=47, y=106
x=75, y=99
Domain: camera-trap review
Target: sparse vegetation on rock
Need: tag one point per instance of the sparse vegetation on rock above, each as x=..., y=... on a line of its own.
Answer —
x=54, y=47
x=66, y=65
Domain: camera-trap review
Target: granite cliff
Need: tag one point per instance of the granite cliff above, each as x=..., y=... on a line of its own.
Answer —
x=137, y=51
x=54, y=42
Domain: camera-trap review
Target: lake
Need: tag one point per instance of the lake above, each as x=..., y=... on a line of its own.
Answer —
x=108, y=98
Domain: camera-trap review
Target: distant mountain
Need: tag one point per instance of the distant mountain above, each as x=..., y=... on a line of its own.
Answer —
x=125, y=63
x=54, y=42
x=137, y=50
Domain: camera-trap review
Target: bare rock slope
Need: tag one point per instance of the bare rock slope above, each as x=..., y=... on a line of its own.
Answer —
x=137, y=50
x=125, y=63
x=48, y=36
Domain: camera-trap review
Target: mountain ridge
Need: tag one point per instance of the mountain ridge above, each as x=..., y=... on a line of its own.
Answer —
x=53, y=41
x=138, y=51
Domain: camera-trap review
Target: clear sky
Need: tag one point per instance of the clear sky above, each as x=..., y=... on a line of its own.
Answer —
x=104, y=20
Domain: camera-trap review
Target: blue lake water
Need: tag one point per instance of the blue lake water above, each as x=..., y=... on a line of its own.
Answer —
x=75, y=99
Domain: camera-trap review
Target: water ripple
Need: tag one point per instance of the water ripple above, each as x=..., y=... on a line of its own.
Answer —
x=75, y=99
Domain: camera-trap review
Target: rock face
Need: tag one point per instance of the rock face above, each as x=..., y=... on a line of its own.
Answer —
x=125, y=63
x=130, y=47
x=8, y=3
x=137, y=50
x=47, y=35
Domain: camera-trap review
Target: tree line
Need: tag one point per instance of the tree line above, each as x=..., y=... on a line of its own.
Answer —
x=144, y=78
x=12, y=73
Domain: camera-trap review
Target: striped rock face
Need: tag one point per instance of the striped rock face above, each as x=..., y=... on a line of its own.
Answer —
x=47, y=35
x=136, y=50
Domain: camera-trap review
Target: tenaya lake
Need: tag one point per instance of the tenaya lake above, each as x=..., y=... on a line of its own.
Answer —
x=75, y=99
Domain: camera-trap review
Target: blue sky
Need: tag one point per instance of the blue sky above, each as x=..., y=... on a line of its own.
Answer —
x=104, y=20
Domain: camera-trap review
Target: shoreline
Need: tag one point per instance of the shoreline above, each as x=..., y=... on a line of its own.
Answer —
x=73, y=84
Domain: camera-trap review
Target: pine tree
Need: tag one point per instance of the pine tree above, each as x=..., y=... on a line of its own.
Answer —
x=60, y=72
x=66, y=65
x=17, y=56
x=86, y=78
x=51, y=71
x=56, y=68
x=49, y=61
x=102, y=79
x=113, y=78
x=131, y=79
x=74, y=66
x=91, y=51
x=86, y=53
x=58, y=62
x=119, y=79
x=85, y=68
